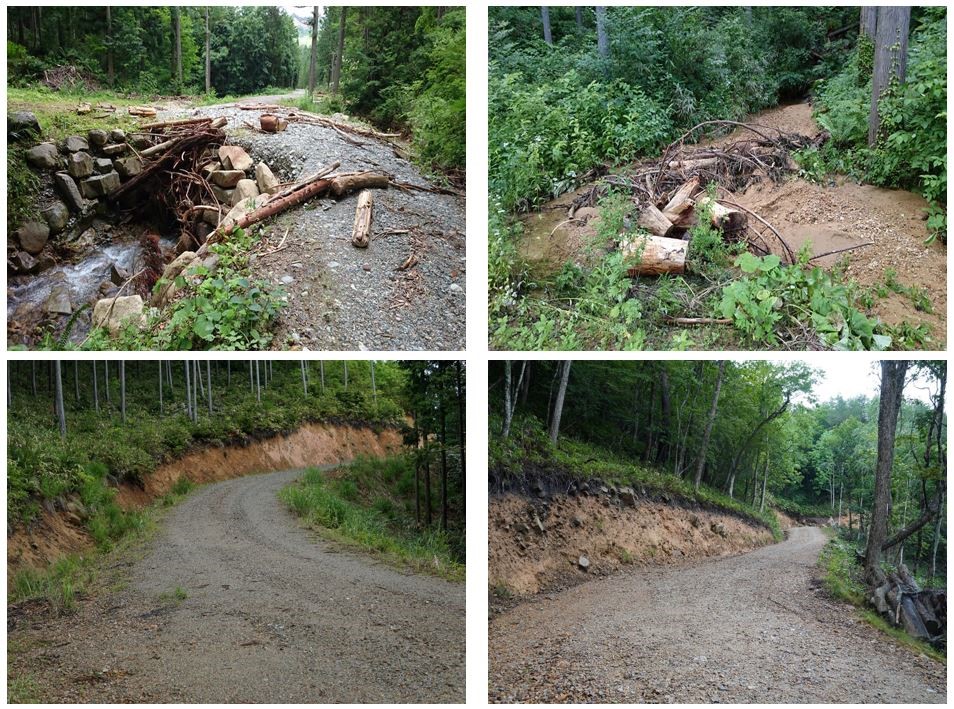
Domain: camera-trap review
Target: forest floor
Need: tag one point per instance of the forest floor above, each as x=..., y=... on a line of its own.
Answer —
x=341, y=297
x=754, y=628
x=833, y=214
x=232, y=601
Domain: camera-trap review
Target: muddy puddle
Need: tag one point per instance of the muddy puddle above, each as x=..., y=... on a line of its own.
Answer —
x=875, y=231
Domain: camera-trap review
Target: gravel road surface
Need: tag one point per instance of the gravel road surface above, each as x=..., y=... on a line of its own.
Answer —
x=749, y=628
x=272, y=614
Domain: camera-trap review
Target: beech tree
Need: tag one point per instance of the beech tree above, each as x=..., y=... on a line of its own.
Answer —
x=558, y=406
x=890, y=59
x=602, y=39
x=545, y=16
x=710, y=420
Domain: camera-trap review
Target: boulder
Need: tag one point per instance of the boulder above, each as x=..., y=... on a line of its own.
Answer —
x=75, y=143
x=57, y=216
x=22, y=125
x=628, y=496
x=245, y=189
x=103, y=165
x=209, y=168
x=33, y=237
x=247, y=205
x=114, y=151
x=719, y=528
x=224, y=196
x=128, y=167
x=97, y=138
x=116, y=313
x=100, y=185
x=59, y=301
x=140, y=141
x=234, y=157
x=79, y=165
x=172, y=271
x=583, y=562
x=118, y=275
x=44, y=156
x=267, y=182
x=117, y=135
x=22, y=262
x=210, y=215
x=68, y=191
x=227, y=178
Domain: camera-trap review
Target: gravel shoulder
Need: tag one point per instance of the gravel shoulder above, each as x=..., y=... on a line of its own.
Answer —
x=746, y=629
x=272, y=614
x=341, y=297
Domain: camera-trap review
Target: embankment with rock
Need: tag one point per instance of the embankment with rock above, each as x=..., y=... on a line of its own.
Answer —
x=545, y=541
x=60, y=528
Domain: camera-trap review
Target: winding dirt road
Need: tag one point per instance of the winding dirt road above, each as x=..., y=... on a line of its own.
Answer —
x=272, y=614
x=748, y=628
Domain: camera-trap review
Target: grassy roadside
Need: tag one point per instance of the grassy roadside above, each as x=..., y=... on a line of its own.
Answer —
x=365, y=505
x=842, y=579
x=114, y=531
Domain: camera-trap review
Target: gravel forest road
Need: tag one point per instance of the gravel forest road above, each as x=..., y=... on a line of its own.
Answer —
x=272, y=614
x=748, y=628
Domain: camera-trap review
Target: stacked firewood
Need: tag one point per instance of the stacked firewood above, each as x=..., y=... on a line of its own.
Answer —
x=922, y=613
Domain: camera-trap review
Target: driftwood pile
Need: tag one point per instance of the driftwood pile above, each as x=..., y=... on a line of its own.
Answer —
x=671, y=193
x=922, y=613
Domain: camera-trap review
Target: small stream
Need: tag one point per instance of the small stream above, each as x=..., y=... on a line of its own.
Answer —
x=26, y=302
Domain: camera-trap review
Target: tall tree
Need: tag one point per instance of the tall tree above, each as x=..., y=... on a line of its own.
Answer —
x=208, y=53
x=707, y=431
x=177, y=49
x=339, y=53
x=547, y=34
x=122, y=388
x=110, y=72
x=312, y=60
x=602, y=39
x=558, y=405
x=890, y=59
x=892, y=389
x=869, y=21
x=60, y=410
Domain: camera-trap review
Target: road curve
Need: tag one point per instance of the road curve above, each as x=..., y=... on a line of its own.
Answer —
x=748, y=628
x=272, y=614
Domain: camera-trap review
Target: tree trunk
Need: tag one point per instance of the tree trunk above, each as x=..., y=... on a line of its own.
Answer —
x=654, y=255
x=443, y=415
x=937, y=537
x=764, y=482
x=579, y=18
x=188, y=391
x=653, y=221
x=106, y=380
x=304, y=378
x=208, y=381
x=95, y=386
x=869, y=21
x=602, y=40
x=460, y=434
x=558, y=406
x=177, y=26
x=701, y=463
x=110, y=72
x=547, y=34
x=208, y=54
x=890, y=59
x=312, y=60
x=892, y=389
x=346, y=376
x=161, y=407
x=664, y=442
x=122, y=388
x=321, y=371
x=336, y=75
x=361, y=232
x=60, y=411
x=374, y=386
x=427, y=491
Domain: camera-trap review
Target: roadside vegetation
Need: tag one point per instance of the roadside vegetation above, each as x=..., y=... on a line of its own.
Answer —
x=370, y=504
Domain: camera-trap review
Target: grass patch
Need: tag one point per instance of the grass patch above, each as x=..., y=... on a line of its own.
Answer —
x=23, y=690
x=58, y=586
x=56, y=110
x=842, y=577
x=364, y=505
x=174, y=597
x=528, y=452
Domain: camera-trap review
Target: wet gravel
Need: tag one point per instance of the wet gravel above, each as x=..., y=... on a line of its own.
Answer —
x=341, y=297
x=271, y=614
x=752, y=628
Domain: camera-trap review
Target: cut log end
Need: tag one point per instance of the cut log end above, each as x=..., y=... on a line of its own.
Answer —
x=654, y=255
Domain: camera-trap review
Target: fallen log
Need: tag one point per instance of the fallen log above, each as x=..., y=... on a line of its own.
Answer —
x=323, y=172
x=653, y=221
x=692, y=163
x=351, y=182
x=171, y=124
x=141, y=111
x=343, y=184
x=83, y=109
x=655, y=255
x=258, y=106
x=361, y=233
x=723, y=218
x=681, y=200
x=271, y=123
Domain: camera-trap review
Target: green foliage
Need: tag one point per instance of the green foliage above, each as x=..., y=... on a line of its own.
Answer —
x=23, y=188
x=842, y=574
x=58, y=586
x=360, y=505
x=22, y=690
x=528, y=451
x=772, y=297
x=911, y=151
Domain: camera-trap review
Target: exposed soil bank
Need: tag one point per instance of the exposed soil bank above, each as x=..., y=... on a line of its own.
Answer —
x=56, y=533
x=536, y=545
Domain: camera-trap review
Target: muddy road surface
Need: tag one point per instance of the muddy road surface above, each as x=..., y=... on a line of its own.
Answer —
x=745, y=629
x=270, y=614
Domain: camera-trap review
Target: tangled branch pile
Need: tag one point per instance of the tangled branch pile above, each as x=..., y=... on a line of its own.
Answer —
x=68, y=77
x=922, y=614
